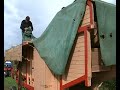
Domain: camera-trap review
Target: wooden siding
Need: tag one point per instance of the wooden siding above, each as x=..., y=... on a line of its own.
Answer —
x=89, y=70
x=76, y=67
x=97, y=63
x=86, y=18
x=44, y=79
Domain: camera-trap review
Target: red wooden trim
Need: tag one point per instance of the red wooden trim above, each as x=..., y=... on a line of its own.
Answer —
x=91, y=11
x=17, y=81
x=87, y=27
x=74, y=82
x=86, y=58
x=81, y=29
x=86, y=48
x=28, y=86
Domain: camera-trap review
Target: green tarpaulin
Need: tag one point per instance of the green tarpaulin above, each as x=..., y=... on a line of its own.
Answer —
x=56, y=42
x=106, y=19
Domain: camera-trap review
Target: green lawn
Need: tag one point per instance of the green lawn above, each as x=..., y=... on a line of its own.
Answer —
x=8, y=82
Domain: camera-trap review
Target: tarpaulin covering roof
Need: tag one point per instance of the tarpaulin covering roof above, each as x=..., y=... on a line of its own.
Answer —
x=106, y=18
x=55, y=44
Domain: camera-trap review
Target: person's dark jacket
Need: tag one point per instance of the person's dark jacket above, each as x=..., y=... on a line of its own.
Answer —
x=25, y=24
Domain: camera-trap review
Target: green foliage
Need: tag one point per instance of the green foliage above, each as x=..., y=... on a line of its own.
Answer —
x=8, y=82
x=109, y=85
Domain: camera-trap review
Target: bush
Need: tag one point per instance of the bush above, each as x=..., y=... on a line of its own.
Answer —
x=109, y=85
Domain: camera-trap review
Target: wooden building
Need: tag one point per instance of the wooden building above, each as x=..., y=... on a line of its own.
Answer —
x=84, y=65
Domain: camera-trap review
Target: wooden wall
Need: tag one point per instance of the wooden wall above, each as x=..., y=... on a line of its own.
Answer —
x=86, y=18
x=76, y=66
x=44, y=79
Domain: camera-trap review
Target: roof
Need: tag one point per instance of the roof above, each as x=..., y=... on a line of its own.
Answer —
x=14, y=53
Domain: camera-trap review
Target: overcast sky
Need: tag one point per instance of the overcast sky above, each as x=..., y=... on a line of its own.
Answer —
x=40, y=11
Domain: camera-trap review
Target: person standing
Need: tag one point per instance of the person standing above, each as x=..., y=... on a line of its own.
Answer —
x=26, y=24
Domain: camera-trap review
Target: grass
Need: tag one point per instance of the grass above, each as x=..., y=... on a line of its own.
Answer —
x=8, y=82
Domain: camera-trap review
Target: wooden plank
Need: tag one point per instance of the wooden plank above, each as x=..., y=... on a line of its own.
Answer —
x=80, y=40
x=95, y=59
x=87, y=14
x=81, y=49
x=87, y=7
x=78, y=58
x=89, y=76
x=48, y=79
x=44, y=78
x=86, y=18
x=97, y=62
x=85, y=24
x=76, y=71
x=77, y=66
x=38, y=71
x=87, y=10
x=86, y=21
x=71, y=78
x=78, y=54
x=74, y=75
x=78, y=45
x=76, y=62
